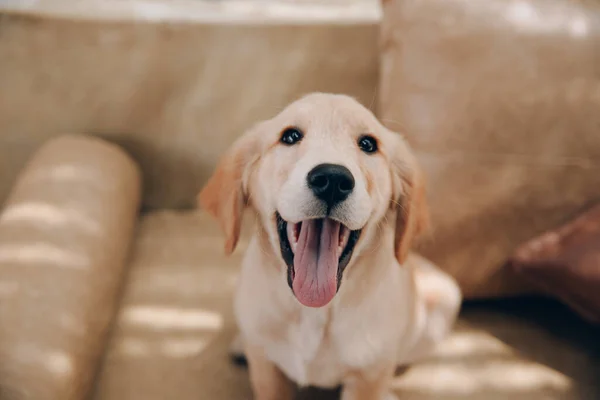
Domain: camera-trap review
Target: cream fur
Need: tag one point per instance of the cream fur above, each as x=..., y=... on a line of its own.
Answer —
x=390, y=310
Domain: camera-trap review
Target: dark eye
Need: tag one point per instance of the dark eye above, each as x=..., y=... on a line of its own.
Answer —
x=291, y=136
x=368, y=144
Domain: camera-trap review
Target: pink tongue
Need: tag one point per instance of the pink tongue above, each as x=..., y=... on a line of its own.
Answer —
x=316, y=262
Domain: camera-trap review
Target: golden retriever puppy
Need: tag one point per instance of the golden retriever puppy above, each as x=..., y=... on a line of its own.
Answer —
x=328, y=293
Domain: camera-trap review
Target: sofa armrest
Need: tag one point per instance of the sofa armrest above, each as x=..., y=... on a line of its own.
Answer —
x=65, y=236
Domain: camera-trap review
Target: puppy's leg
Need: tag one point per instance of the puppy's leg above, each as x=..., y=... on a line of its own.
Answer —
x=369, y=385
x=438, y=304
x=267, y=380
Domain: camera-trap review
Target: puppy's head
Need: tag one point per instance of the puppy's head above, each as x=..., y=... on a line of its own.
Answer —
x=319, y=174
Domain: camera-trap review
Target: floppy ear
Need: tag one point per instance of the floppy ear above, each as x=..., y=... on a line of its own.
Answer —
x=225, y=195
x=412, y=218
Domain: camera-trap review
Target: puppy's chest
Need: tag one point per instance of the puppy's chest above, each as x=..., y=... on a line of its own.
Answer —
x=307, y=353
x=317, y=350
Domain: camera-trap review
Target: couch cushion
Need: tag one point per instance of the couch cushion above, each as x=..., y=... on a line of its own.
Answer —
x=500, y=99
x=175, y=326
x=175, y=322
x=64, y=240
x=174, y=82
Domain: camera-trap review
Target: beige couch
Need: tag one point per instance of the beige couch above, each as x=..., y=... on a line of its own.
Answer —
x=112, y=288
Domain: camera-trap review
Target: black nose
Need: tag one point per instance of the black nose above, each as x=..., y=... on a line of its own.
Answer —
x=331, y=183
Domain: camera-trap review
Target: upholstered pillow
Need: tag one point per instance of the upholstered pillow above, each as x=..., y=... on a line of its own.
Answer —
x=65, y=235
x=505, y=130
x=565, y=263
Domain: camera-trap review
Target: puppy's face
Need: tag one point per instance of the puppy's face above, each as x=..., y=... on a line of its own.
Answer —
x=320, y=174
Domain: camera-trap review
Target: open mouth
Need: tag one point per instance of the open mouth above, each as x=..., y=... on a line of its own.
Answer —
x=316, y=252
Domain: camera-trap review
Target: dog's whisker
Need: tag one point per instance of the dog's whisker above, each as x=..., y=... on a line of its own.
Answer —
x=391, y=121
x=373, y=100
